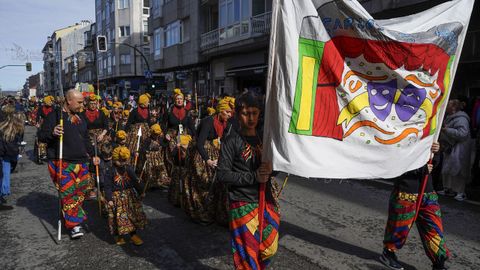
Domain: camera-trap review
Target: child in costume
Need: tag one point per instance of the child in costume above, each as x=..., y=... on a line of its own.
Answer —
x=253, y=212
x=122, y=189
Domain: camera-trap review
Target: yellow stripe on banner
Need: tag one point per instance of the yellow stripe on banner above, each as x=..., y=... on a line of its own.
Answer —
x=305, y=112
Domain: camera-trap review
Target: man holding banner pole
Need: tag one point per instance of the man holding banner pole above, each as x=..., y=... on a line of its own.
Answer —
x=77, y=150
x=407, y=207
x=347, y=95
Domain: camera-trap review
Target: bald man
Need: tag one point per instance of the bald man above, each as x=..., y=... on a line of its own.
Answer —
x=77, y=153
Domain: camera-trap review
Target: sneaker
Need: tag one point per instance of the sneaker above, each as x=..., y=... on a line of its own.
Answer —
x=76, y=232
x=136, y=240
x=389, y=259
x=460, y=197
x=441, y=192
x=119, y=240
x=23, y=143
x=3, y=200
x=439, y=266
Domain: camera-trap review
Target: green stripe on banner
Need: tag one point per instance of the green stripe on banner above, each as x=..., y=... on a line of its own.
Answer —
x=310, y=54
x=446, y=85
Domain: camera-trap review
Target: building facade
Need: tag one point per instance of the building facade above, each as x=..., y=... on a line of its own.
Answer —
x=221, y=46
x=213, y=46
x=175, y=42
x=59, y=54
x=121, y=70
x=48, y=67
x=86, y=59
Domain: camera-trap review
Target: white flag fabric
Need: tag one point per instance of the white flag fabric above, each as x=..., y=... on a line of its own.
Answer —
x=353, y=97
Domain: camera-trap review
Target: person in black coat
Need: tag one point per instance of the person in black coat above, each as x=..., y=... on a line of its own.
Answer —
x=241, y=168
x=77, y=153
x=178, y=115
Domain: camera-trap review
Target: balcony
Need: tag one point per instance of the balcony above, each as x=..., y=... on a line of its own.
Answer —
x=255, y=26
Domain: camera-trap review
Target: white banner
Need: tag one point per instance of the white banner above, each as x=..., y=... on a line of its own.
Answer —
x=353, y=97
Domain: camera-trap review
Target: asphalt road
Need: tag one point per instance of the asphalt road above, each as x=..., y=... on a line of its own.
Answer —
x=326, y=224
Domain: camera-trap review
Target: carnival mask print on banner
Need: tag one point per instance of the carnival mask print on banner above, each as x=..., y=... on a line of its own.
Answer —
x=380, y=97
x=409, y=102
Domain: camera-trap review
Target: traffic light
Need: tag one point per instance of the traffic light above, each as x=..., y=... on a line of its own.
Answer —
x=28, y=66
x=102, y=43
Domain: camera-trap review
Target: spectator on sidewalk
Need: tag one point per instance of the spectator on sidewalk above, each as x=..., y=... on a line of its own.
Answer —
x=455, y=137
x=11, y=133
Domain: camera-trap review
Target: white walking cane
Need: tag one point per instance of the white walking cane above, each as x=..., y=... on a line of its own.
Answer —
x=60, y=165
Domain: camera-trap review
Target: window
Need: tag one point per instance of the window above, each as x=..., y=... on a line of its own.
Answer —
x=146, y=11
x=157, y=43
x=145, y=27
x=107, y=13
x=124, y=31
x=157, y=8
x=109, y=64
x=112, y=35
x=100, y=66
x=99, y=20
x=173, y=34
x=233, y=11
x=122, y=4
x=125, y=59
x=146, y=3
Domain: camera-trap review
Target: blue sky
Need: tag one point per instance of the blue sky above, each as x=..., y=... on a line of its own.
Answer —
x=25, y=26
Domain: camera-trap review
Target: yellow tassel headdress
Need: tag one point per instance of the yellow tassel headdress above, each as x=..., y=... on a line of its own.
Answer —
x=185, y=140
x=48, y=99
x=177, y=92
x=121, y=135
x=226, y=104
x=156, y=129
x=210, y=111
x=143, y=99
x=121, y=153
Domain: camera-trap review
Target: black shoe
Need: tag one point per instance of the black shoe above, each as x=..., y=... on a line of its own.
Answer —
x=389, y=259
x=439, y=266
x=2, y=200
x=5, y=207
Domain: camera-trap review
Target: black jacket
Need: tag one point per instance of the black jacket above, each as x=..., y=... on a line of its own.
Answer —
x=238, y=173
x=173, y=122
x=101, y=122
x=206, y=132
x=9, y=150
x=410, y=182
x=76, y=144
x=110, y=185
x=134, y=118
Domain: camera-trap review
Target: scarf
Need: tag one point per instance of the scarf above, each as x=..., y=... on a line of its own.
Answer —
x=179, y=112
x=46, y=110
x=92, y=115
x=143, y=112
x=219, y=126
